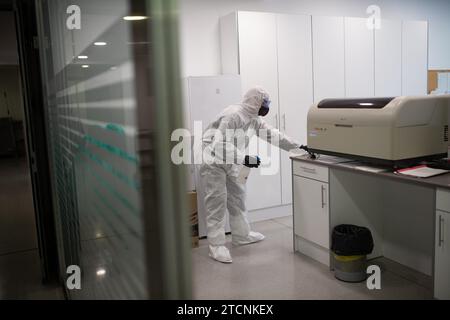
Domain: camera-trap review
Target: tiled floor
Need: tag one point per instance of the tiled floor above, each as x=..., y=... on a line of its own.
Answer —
x=265, y=270
x=270, y=270
x=20, y=276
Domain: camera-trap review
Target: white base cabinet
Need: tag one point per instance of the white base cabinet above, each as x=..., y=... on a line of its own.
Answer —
x=410, y=245
x=442, y=256
x=442, y=247
x=311, y=211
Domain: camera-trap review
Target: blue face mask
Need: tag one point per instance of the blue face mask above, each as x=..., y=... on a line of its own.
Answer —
x=264, y=110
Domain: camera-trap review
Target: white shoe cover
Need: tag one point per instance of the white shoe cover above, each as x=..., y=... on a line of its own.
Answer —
x=251, y=238
x=220, y=253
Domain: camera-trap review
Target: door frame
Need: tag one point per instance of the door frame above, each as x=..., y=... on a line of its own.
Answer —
x=36, y=136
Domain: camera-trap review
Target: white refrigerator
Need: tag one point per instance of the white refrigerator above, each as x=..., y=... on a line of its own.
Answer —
x=204, y=99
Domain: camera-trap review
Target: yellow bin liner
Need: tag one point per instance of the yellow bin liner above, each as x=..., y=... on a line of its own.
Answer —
x=348, y=258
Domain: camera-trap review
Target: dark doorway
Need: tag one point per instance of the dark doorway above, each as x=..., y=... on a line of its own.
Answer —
x=24, y=271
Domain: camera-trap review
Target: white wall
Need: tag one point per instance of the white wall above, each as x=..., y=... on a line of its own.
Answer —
x=199, y=24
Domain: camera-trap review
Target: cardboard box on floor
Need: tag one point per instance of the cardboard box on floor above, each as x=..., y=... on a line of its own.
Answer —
x=193, y=217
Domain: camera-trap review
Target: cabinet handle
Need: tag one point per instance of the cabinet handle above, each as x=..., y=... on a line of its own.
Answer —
x=309, y=170
x=323, y=198
x=441, y=234
x=284, y=121
x=276, y=121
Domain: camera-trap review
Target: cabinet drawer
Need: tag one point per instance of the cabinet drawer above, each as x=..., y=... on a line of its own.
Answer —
x=308, y=170
x=443, y=200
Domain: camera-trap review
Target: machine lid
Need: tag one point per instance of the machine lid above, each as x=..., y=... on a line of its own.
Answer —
x=356, y=103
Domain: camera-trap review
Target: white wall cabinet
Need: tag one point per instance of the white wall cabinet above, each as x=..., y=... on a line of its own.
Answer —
x=443, y=82
x=258, y=65
x=414, y=57
x=301, y=59
x=388, y=59
x=448, y=81
x=328, y=57
x=295, y=86
x=359, y=58
x=273, y=51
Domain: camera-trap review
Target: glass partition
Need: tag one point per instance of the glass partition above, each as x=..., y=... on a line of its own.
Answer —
x=97, y=67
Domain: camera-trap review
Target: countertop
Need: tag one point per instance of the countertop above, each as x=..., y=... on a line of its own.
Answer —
x=440, y=181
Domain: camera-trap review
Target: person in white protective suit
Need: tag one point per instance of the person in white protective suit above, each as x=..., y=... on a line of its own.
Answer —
x=219, y=178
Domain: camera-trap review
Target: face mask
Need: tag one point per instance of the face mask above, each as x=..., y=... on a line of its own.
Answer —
x=264, y=110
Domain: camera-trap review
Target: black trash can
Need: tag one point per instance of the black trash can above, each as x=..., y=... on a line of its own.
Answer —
x=350, y=245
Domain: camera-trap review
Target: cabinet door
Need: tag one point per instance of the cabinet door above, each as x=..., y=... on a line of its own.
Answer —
x=328, y=57
x=448, y=83
x=258, y=66
x=295, y=86
x=414, y=57
x=311, y=211
x=442, y=82
x=388, y=59
x=229, y=43
x=442, y=256
x=359, y=53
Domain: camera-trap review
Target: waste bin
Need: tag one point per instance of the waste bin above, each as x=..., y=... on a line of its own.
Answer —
x=350, y=245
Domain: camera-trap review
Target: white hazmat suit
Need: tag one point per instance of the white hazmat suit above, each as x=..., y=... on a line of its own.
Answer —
x=219, y=180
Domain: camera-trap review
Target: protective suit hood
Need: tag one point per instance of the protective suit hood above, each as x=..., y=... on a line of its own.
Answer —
x=253, y=100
